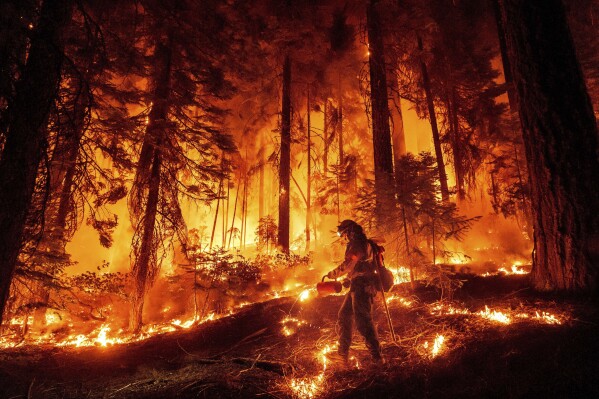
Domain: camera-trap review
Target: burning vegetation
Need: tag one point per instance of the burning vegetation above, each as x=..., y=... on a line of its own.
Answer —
x=173, y=176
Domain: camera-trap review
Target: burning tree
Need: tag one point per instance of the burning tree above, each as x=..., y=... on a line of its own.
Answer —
x=180, y=121
x=381, y=135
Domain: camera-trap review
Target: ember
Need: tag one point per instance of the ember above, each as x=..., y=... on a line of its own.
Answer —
x=307, y=388
x=291, y=324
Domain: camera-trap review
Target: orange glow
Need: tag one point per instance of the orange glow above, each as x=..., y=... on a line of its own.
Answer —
x=494, y=315
x=291, y=325
x=436, y=347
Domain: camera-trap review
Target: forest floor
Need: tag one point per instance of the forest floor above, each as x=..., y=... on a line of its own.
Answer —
x=496, y=338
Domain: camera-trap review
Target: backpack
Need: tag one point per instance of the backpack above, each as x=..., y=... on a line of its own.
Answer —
x=386, y=277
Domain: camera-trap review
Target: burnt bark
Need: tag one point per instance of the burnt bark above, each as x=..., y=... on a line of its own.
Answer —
x=285, y=158
x=396, y=118
x=505, y=61
x=456, y=141
x=426, y=84
x=13, y=51
x=142, y=269
x=560, y=138
x=35, y=94
x=309, y=179
x=147, y=180
x=381, y=134
x=340, y=124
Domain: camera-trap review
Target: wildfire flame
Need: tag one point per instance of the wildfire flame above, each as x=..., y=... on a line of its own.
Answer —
x=400, y=274
x=516, y=268
x=495, y=316
x=311, y=387
x=305, y=295
x=436, y=346
x=402, y=301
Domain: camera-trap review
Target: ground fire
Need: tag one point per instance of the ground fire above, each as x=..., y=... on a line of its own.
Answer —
x=334, y=199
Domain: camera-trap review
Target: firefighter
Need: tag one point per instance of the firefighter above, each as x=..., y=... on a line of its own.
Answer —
x=357, y=305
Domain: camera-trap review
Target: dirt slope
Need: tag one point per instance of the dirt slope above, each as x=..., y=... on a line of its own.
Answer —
x=273, y=349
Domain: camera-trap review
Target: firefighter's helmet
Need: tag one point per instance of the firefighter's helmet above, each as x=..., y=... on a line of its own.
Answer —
x=348, y=227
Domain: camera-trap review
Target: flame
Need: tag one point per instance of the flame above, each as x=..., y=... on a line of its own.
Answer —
x=516, y=268
x=304, y=295
x=52, y=318
x=436, y=346
x=494, y=315
x=401, y=274
x=402, y=301
x=311, y=387
x=547, y=318
x=502, y=317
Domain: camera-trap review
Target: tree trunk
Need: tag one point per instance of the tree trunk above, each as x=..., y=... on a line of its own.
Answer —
x=244, y=211
x=507, y=71
x=144, y=266
x=261, y=193
x=218, y=196
x=397, y=129
x=560, y=138
x=309, y=179
x=325, y=134
x=35, y=93
x=340, y=124
x=285, y=159
x=381, y=135
x=433, y=119
x=233, y=218
x=142, y=269
x=456, y=145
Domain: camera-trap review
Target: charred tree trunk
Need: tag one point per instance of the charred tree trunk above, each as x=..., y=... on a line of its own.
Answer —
x=233, y=218
x=456, y=145
x=507, y=70
x=433, y=120
x=35, y=93
x=398, y=135
x=325, y=134
x=148, y=182
x=309, y=178
x=13, y=52
x=381, y=135
x=560, y=137
x=142, y=269
x=340, y=125
x=261, y=183
x=218, y=197
x=285, y=159
x=244, y=211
